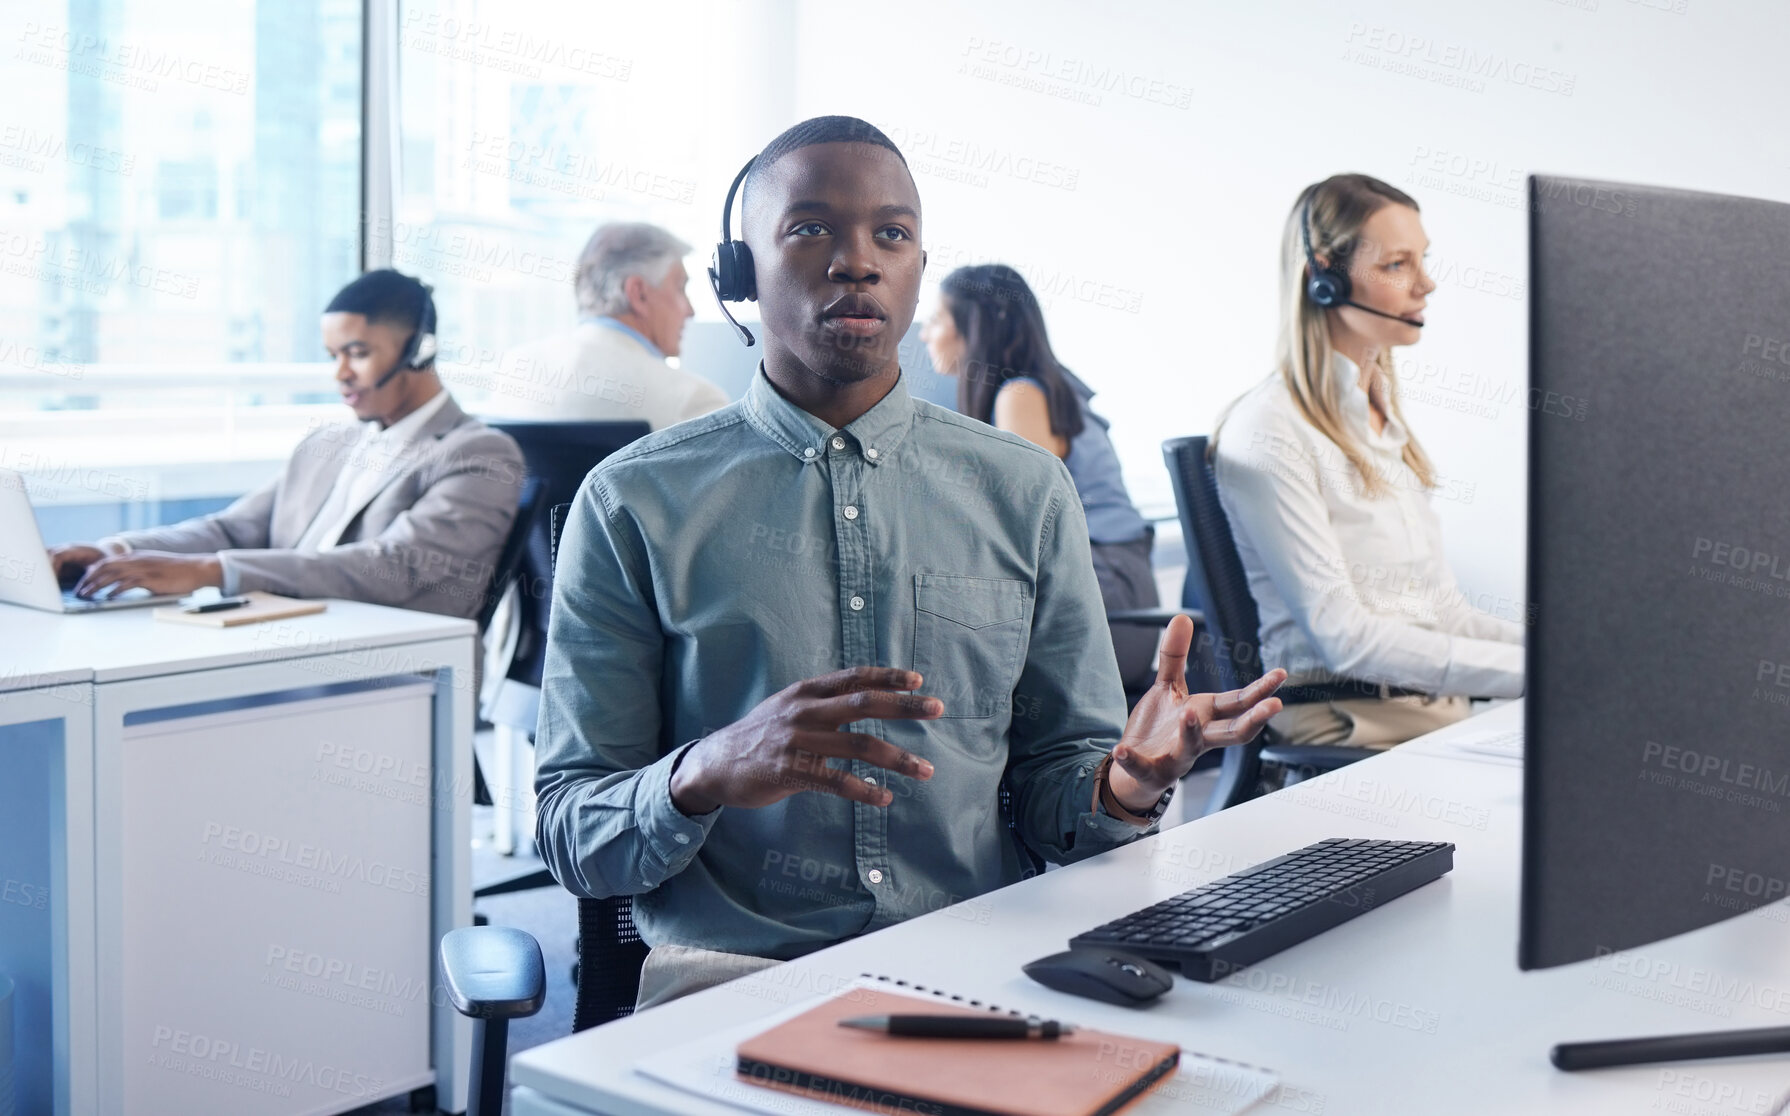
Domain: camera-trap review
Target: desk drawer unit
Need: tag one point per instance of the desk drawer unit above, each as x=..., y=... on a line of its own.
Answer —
x=264, y=913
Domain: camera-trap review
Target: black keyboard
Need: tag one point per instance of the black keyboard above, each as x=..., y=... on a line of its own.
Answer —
x=1220, y=927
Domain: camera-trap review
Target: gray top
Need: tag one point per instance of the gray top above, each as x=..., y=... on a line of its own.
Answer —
x=709, y=565
x=1094, y=467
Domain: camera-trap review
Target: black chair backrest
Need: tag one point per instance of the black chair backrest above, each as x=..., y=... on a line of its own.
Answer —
x=1214, y=569
x=509, y=559
x=556, y=526
x=610, y=955
x=560, y=455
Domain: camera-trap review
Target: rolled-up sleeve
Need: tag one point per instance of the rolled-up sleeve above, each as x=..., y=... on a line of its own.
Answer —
x=1069, y=703
x=607, y=825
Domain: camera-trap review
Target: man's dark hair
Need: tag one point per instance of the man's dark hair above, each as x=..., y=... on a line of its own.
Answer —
x=384, y=296
x=821, y=129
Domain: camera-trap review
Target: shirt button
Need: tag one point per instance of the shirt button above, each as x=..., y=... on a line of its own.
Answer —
x=857, y=604
x=871, y=453
x=838, y=443
x=851, y=511
x=683, y=838
x=871, y=779
x=876, y=875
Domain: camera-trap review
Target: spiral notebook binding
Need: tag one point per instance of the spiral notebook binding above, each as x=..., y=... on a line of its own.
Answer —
x=944, y=995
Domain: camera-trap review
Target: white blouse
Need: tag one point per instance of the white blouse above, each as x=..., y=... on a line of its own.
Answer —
x=1348, y=584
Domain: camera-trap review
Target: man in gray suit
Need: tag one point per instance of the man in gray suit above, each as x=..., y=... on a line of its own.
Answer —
x=408, y=507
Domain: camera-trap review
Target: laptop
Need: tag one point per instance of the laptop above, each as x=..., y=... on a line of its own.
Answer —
x=26, y=576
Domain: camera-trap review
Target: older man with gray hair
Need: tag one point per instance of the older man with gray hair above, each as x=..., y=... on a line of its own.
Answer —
x=611, y=365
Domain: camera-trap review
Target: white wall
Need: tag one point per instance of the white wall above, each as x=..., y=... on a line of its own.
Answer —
x=1170, y=214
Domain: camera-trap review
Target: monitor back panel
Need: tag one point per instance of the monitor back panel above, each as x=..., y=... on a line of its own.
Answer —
x=1658, y=714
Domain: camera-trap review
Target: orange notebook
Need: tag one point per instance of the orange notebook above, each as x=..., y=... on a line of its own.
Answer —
x=1089, y=1073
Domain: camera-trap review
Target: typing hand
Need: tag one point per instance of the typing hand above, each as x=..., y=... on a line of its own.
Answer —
x=1171, y=727
x=782, y=746
x=71, y=561
x=151, y=570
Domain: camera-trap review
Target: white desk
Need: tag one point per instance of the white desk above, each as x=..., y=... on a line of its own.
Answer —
x=1417, y=1007
x=220, y=812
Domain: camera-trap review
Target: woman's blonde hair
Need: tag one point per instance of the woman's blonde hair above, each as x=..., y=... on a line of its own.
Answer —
x=1339, y=206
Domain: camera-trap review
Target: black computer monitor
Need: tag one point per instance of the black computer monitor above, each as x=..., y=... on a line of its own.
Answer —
x=1657, y=720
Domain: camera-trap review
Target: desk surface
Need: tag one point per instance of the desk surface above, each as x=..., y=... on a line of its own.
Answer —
x=50, y=649
x=1415, y=1007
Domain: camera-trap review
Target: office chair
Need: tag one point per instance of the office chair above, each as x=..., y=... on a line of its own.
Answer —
x=493, y=974
x=1215, y=573
x=529, y=509
x=558, y=456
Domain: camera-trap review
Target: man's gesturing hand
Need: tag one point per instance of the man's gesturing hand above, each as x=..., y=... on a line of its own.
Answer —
x=1170, y=727
x=783, y=745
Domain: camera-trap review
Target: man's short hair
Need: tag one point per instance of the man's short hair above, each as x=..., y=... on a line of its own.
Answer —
x=614, y=253
x=821, y=129
x=383, y=296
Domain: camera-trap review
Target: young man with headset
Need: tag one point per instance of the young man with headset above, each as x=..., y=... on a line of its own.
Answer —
x=799, y=644
x=407, y=507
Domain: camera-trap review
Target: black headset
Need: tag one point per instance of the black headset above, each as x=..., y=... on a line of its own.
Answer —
x=420, y=349
x=731, y=271
x=1329, y=286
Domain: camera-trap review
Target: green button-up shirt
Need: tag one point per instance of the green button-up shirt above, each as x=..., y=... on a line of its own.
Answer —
x=713, y=563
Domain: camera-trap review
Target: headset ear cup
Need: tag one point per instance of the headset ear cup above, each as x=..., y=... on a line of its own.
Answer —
x=732, y=272
x=1328, y=287
x=425, y=351
x=748, y=275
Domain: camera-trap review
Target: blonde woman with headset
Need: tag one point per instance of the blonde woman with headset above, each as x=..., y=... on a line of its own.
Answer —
x=1328, y=489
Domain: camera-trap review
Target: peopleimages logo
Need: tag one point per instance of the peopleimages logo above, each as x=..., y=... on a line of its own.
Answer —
x=1722, y=769
x=303, y=863
x=1744, y=567
x=251, y=1067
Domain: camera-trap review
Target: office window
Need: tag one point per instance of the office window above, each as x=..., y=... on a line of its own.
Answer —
x=179, y=197
x=525, y=125
x=176, y=181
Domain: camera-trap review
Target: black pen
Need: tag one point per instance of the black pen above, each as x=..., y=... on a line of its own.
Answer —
x=221, y=604
x=960, y=1026
x=1671, y=1048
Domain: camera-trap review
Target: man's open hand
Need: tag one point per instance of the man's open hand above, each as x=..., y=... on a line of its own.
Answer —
x=1170, y=727
x=782, y=746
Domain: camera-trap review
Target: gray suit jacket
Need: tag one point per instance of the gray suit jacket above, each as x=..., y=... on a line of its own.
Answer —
x=428, y=539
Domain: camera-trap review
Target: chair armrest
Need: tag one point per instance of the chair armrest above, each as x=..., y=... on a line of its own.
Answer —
x=493, y=972
x=1316, y=757
x=1154, y=617
x=1343, y=689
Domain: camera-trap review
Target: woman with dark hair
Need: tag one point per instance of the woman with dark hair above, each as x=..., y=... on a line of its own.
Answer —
x=988, y=332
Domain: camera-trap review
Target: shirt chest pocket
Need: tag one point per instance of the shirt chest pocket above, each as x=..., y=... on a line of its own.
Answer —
x=969, y=635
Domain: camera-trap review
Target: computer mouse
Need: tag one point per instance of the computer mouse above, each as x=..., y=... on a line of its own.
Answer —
x=1102, y=974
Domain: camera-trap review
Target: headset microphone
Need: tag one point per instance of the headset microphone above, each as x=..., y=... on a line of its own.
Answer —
x=730, y=273
x=1384, y=314
x=1330, y=285
x=420, y=349
x=397, y=370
